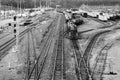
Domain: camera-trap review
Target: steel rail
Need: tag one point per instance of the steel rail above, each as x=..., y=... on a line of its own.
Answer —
x=58, y=68
x=104, y=23
x=45, y=45
x=46, y=51
x=85, y=55
x=41, y=19
x=6, y=46
x=91, y=45
x=5, y=35
x=101, y=57
x=81, y=63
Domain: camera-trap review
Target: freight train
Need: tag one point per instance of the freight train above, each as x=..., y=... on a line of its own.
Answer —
x=73, y=22
x=103, y=16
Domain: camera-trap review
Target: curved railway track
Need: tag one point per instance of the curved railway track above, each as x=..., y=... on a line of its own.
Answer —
x=91, y=44
x=89, y=48
x=99, y=67
x=83, y=70
x=106, y=24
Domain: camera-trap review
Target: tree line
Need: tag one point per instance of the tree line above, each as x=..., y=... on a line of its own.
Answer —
x=63, y=3
x=24, y=3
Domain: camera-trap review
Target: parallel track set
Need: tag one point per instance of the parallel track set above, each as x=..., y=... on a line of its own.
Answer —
x=57, y=72
x=43, y=54
x=7, y=45
x=83, y=71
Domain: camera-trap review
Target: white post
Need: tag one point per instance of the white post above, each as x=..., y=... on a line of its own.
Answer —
x=20, y=7
x=50, y=3
x=46, y=4
x=0, y=3
x=40, y=4
x=35, y=4
x=17, y=35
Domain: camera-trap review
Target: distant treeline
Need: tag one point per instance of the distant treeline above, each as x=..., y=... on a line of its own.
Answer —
x=101, y=2
x=77, y=4
x=23, y=3
x=63, y=3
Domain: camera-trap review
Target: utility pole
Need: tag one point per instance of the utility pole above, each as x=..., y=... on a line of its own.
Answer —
x=17, y=5
x=50, y=2
x=20, y=7
x=40, y=3
x=35, y=4
x=46, y=4
x=0, y=4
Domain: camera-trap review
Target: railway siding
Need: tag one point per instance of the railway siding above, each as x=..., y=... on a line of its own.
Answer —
x=43, y=60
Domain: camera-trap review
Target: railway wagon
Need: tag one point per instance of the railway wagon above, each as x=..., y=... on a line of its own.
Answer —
x=73, y=32
x=102, y=18
x=76, y=19
x=85, y=15
x=78, y=22
x=115, y=17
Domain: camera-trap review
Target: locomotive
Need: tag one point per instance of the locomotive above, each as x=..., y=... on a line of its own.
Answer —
x=72, y=25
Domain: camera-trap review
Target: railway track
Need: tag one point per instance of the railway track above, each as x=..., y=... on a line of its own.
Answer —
x=107, y=24
x=82, y=71
x=39, y=18
x=7, y=45
x=100, y=64
x=5, y=35
x=59, y=67
x=91, y=45
x=44, y=50
x=89, y=48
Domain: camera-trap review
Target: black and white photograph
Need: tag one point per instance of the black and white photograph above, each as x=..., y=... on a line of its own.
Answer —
x=59, y=39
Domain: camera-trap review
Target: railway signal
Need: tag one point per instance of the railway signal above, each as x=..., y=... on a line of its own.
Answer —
x=16, y=32
x=14, y=18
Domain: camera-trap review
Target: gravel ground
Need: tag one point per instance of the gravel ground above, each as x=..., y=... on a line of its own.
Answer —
x=113, y=54
x=70, y=61
x=89, y=24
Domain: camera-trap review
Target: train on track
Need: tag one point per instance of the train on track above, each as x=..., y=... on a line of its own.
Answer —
x=101, y=16
x=73, y=21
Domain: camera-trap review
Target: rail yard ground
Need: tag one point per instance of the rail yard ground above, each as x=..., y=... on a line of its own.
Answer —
x=51, y=49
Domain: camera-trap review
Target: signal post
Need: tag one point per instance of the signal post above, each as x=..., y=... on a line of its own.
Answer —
x=16, y=33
